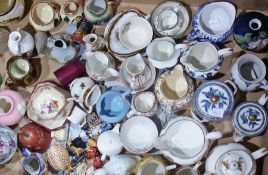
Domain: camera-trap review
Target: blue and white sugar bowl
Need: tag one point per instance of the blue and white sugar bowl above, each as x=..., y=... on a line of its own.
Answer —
x=112, y=106
x=213, y=100
x=250, y=119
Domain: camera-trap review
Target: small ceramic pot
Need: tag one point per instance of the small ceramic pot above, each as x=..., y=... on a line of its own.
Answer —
x=34, y=138
x=20, y=42
x=233, y=158
x=250, y=119
x=99, y=11
x=109, y=143
x=11, y=12
x=8, y=140
x=248, y=73
x=44, y=16
x=112, y=106
x=137, y=134
x=203, y=60
x=152, y=165
x=33, y=163
x=135, y=33
x=71, y=11
x=21, y=71
x=184, y=140
x=164, y=52
x=250, y=31
x=170, y=18
x=213, y=101
x=62, y=48
x=94, y=42
x=170, y=96
x=100, y=66
x=144, y=103
x=213, y=22
x=12, y=107
x=58, y=157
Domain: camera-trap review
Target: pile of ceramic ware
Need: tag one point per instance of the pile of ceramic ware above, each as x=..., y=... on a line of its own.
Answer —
x=114, y=104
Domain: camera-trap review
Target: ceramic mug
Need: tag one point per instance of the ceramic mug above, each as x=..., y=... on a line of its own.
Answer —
x=144, y=103
x=33, y=163
x=21, y=72
x=248, y=73
x=100, y=66
x=152, y=165
x=77, y=116
x=137, y=134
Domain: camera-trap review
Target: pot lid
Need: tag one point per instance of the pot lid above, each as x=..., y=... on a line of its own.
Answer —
x=250, y=119
x=213, y=100
x=235, y=162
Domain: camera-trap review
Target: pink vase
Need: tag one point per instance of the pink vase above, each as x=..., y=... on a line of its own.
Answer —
x=12, y=107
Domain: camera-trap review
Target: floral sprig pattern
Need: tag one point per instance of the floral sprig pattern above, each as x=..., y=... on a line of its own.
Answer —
x=208, y=104
x=246, y=120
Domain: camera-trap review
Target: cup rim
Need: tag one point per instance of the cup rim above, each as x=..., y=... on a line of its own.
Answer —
x=152, y=45
x=131, y=60
x=8, y=67
x=33, y=9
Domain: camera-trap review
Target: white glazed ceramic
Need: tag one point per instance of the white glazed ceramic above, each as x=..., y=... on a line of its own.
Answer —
x=185, y=140
x=118, y=164
x=250, y=118
x=14, y=14
x=71, y=11
x=144, y=103
x=20, y=42
x=53, y=122
x=233, y=159
x=100, y=66
x=77, y=116
x=170, y=18
x=213, y=100
x=94, y=42
x=248, y=73
x=203, y=60
x=213, y=22
x=164, y=52
x=109, y=143
x=8, y=140
x=137, y=134
x=188, y=170
x=135, y=33
x=174, y=89
x=44, y=16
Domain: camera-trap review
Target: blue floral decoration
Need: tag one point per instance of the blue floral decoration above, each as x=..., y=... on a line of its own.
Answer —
x=246, y=120
x=208, y=104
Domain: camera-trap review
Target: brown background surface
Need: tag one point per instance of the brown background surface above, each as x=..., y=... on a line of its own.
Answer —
x=49, y=66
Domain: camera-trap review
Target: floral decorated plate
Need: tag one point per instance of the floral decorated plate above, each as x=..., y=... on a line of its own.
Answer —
x=49, y=109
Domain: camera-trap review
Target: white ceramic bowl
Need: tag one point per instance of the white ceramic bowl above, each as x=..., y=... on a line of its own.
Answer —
x=42, y=13
x=136, y=33
x=137, y=134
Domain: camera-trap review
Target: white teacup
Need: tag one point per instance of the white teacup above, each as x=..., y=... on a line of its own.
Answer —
x=99, y=66
x=143, y=104
x=77, y=116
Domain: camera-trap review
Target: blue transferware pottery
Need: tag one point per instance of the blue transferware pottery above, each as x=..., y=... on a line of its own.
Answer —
x=250, y=118
x=112, y=106
x=251, y=31
x=99, y=11
x=213, y=100
x=213, y=22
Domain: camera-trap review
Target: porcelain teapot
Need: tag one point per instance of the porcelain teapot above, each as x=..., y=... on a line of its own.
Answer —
x=174, y=89
x=233, y=159
x=118, y=164
x=62, y=48
x=203, y=60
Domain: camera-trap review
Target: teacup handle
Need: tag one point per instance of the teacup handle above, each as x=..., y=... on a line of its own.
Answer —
x=112, y=72
x=232, y=84
x=103, y=157
x=263, y=99
x=182, y=47
x=197, y=165
x=237, y=137
x=131, y=113
x=264, y=84
x=125, y=94
x=201, y=120
x=214, y=135
x=225, y=52
x=193, y=35
x=170, y=167
x=260, y=153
